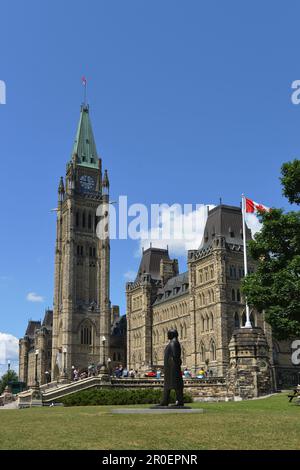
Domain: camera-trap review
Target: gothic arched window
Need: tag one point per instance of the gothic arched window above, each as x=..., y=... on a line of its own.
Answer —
x=236, y=320
x=212, y=350
x=252, y=319
x=211, y=321
x=233, y=295
x=86, y=335
x=202, y=352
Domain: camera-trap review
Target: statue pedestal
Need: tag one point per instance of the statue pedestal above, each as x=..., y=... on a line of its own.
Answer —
x=170, y=407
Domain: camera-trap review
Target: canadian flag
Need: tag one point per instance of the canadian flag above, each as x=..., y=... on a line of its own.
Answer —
x=252, y=206
x=83, y=79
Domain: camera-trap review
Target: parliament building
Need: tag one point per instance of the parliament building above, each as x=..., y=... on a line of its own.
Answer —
x=204, y=304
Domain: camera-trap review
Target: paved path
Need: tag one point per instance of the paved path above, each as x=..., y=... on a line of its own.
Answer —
x=10, y=406
x=155, y=410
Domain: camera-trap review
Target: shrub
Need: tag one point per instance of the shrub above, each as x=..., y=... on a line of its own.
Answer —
x=118, y=397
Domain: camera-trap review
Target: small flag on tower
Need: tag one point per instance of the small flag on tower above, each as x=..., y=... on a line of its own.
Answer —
x=84, y=83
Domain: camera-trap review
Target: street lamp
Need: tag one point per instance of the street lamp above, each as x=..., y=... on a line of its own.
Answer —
x=108, y=365
x=103, y=343
x=65, y=362
x=36, y=363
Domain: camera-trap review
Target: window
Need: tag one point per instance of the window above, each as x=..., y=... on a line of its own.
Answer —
x=211, y=321
x=233, y=295
x=86, y=335
x=83, y=219
x=202, y=352
x=212, y=351
x=238, y=295
x=89, y=221
x=236, y=320
x=77, y=219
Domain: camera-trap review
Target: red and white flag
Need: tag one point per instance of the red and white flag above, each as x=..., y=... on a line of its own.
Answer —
x=83, y=79
x=252, y=206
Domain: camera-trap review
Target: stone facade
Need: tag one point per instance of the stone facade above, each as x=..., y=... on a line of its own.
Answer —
x=204, y=304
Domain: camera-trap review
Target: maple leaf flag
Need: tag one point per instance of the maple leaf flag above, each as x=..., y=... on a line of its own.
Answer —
x=83, y=79
x=252, y=206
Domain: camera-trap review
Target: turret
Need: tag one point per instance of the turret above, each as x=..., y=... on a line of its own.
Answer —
x=61, y=190
x=105, y=183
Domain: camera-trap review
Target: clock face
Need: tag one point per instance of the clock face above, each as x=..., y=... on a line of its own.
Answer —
x=87, y=182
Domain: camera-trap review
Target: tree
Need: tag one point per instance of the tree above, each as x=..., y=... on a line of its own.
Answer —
x=275, y=286
x=9, y=376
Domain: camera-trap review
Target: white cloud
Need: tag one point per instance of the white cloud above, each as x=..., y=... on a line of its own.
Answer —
x=182, y=231
x=130, y=275
x=33, y=297
x=179, y=230
x=9, y=350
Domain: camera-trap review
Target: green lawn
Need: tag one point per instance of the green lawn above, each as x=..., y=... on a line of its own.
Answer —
x=270, y=423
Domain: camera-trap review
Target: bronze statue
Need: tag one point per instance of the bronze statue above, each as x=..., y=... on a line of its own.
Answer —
x=172, y=370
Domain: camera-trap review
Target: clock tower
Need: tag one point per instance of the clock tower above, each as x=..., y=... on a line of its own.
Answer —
x=81, y=316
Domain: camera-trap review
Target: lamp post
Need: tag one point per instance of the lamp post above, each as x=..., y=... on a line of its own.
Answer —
x=103, y=344
x=8, y=365
x=108, y=365
x=65, y=361
x=36, y=363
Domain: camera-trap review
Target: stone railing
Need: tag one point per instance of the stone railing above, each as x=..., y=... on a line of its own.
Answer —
x=201, y=389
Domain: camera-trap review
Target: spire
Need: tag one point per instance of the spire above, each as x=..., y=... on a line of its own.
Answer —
x=105, y=182
x=84, y=145
x=61, y=189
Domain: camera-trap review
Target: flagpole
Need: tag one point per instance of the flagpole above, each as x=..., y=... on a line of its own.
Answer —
x=248, y=322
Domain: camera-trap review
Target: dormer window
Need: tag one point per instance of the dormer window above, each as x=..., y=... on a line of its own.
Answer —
x=206, y=236
x=231, y=232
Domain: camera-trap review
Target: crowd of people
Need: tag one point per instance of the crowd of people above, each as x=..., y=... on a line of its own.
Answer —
x=122, y=372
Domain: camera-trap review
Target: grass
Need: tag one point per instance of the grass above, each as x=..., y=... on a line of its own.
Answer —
x=270, y=423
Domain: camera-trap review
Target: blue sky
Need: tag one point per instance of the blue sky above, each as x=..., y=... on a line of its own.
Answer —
x=190, y=101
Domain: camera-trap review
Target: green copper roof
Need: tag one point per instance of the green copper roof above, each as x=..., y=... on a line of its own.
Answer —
x=84, y=145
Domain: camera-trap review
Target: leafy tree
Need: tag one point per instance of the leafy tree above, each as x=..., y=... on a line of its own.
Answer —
x=9, y=376
x=275, y=286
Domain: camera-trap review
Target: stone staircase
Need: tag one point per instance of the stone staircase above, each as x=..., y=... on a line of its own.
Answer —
x=47, y=394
